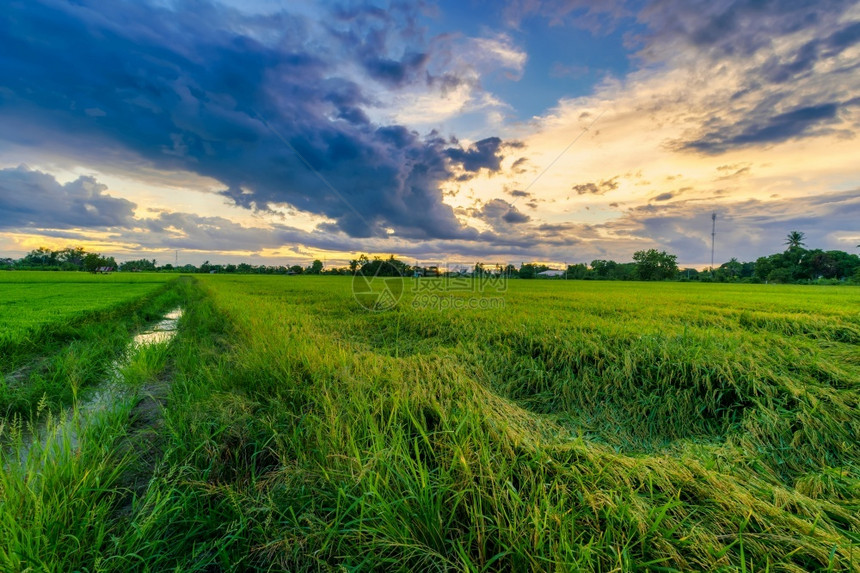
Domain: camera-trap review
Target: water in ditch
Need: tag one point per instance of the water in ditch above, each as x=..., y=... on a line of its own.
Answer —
x=102, y=399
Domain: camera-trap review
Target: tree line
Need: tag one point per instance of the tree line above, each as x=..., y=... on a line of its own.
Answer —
x=78, y=259
x=796, y=264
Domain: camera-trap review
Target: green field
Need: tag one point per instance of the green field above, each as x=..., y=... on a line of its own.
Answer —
x=544, y=426
x=59, y=332
x=31, y=300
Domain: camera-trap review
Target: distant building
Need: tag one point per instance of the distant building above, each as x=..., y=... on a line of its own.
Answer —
x=426, y=272
x=551, y=274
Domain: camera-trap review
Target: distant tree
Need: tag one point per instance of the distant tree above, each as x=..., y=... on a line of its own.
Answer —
x=316, y=267
x=531, y=270
x=297, y=269
x=579, y=271
x=845, y=263
x=72, y=258
x=603, y=269
x=730, y=271
x=780, y=275
x=795, y=240
x=390, y=267
x=138, y=265
x=91, y=262
x=764, y=266
x=747, y=269
x=733, y=268
x=653, y=265
x=94, y=261
x=41, y=257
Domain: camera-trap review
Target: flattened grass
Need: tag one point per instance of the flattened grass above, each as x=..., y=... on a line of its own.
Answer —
x=584, y=426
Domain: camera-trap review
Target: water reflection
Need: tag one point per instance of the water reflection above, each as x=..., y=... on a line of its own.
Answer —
x=162, y=331
x=103, y=398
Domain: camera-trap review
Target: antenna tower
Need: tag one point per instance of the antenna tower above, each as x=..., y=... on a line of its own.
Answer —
x=713, y=238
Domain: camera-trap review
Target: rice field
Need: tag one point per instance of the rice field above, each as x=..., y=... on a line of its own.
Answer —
x=60, y=331
x=530, y=426
x=30, y=300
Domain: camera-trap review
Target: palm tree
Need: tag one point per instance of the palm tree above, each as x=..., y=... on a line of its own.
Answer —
x=795, y=240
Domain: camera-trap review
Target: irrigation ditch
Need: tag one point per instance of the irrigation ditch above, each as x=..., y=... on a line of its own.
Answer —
x=64, y=430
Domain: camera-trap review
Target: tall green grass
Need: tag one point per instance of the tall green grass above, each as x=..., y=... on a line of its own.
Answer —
x=584, y=426
x=68, y=479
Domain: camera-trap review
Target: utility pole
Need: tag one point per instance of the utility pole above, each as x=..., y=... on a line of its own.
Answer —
x=713, y=239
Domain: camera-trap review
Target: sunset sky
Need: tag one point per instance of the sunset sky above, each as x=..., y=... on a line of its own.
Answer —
x=462, y=131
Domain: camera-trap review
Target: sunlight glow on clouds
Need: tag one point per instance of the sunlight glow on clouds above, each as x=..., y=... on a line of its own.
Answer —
x=280, y=132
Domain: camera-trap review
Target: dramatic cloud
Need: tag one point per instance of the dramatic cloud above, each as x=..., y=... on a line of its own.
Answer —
x=518, y=193
x=782, y=62
x=32, y=199
x=501, y=215
x=746, y=229
x=595, y=16
x=483, y=154
x=250, y=101
x=302, y=129
x=774, y=129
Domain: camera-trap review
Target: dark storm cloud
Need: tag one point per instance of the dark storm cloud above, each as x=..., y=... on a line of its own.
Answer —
x=257, y=103
x=773, y=129
x=514, y=216
x=32, y=199
x=192, y=232
x=501, y=215
x=789, y=55
x=519, y=166
x=482, y=154
x=741, y=27
x=395, y=72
